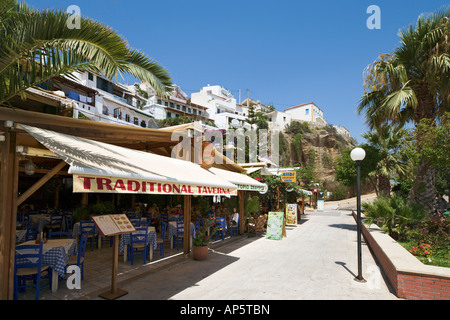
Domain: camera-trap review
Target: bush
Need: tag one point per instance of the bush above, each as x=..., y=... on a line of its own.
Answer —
x=339, y=193
x=394, y=213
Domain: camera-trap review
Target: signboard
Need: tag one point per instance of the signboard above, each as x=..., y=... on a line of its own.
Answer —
x=288, y=176
x=291, y=213
x=275, y=225
x=87, y=183
x=261, y=189
x=320, y=204
x=113, y=224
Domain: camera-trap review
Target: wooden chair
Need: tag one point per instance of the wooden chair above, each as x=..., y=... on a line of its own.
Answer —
x=259, y=225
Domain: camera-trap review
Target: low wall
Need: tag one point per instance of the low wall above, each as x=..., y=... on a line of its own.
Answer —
x=410, y=278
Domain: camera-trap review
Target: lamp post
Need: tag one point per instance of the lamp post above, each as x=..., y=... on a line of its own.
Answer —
x=358, y=155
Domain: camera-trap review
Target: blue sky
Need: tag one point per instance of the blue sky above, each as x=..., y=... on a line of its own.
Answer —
x=285, y=52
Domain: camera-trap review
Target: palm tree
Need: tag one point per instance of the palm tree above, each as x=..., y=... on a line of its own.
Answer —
x=411, y=84
x=38, y=45
x=388, y=144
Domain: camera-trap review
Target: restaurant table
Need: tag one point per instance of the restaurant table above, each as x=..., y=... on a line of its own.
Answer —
x=41, y=219
x=173, y=232
x=125, y=242
x=55, y=254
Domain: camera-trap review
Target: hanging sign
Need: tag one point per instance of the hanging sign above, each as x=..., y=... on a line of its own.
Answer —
x=275, y=225
x=291, y=213
x=288, y=176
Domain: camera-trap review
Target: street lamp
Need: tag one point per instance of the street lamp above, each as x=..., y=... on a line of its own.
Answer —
x=358, y=155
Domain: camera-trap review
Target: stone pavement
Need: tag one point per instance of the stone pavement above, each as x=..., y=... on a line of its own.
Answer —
x=317, y=260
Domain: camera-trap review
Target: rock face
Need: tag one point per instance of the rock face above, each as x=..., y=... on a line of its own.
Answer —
x=319, y=148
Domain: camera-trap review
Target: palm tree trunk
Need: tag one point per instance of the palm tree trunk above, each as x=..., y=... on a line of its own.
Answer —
x=384, y=185
x=423, y=191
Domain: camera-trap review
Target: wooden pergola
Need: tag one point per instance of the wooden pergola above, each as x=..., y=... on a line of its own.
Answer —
x=156, y=141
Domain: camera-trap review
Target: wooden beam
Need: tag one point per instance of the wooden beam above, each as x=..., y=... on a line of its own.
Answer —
x=187, y=224
x=241, y=211
x=9, y=164
x=24, y=196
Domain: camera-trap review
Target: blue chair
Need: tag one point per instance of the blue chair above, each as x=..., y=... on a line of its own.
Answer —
x=88, y=228
x=198, y=222
x=56, y=222
x=179, y=234
x=31, y=233
x=69, y=224
x=139, y=243
x=67, y=233
x=79, y=259
x=234, y=228
x=28, y=266
x=160, y=242
x=220, y=226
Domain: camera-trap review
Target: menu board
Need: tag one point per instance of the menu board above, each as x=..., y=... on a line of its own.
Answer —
x=113, y=224
x=275, y=225
x=291, y=213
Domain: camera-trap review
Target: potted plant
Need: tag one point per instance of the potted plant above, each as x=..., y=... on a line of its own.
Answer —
x=201, y=240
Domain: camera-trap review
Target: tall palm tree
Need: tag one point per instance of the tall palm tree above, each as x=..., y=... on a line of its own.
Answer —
x=36, y=45
x=411, y=84
x=388, y=144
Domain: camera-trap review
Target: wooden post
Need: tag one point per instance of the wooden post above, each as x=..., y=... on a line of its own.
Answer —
x=187, y=224
x=115, y=292
x=241, y=211
x=9, y=173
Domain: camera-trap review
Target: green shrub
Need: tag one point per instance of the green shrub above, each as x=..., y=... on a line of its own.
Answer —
x=394, y=213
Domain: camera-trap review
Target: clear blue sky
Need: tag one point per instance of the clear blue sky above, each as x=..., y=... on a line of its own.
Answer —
x=285, y=52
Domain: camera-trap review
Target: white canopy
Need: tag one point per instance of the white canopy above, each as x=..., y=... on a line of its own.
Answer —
x=102, y=167
x=242, y=181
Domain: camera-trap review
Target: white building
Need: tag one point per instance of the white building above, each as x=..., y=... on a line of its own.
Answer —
x=307, y=112
x=342, y=131
x=278, y=120
x=221, y=107
x=97, y=98
x=176, y=104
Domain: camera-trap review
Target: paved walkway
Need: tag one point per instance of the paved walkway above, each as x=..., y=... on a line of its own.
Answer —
x=317, y=260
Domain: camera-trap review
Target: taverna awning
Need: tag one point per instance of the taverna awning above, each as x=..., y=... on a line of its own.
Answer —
x=105, y=168
x=242, y=181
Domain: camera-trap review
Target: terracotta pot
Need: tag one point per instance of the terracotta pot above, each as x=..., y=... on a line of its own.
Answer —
x=200, y=253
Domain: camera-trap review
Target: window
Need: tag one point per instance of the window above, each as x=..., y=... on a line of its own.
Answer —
x=183, y=108
x=90, y=76
x=104, y=85
x=189, y=110
x=166, y=103
x=127, y=118
x=169, y=115
x=172, y=105
x=306, y=111
x=136, y=121
x=159, y=101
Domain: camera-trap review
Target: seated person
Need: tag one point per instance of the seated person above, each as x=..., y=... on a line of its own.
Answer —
x=211, y=213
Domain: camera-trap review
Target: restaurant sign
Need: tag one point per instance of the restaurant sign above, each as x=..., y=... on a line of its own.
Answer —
x=87, y=183
x=261, y=189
